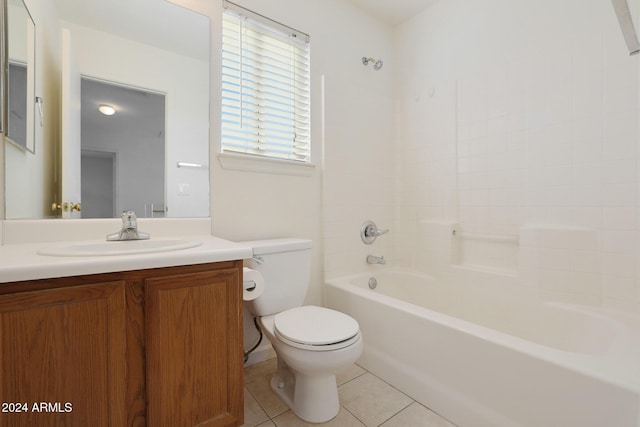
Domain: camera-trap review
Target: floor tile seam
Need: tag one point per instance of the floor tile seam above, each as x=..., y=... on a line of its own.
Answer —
x=253, y=381
x=256, y=373
x=439, y=414
x=278, y=414
x=354, y=415
x=392, y=386
x=264, y=409
x=366, y=371
x=254, y=396
x=395, y=414
x=383, y=422
x=354, y=378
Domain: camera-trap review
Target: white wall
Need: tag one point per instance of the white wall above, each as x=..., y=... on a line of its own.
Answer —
x=359, y=173
x=352, y=123
x=255, y=205
x=521, y=118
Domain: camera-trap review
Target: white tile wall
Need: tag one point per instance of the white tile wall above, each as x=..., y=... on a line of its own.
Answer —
x=507, y=118
x=358, y=160
x=545, y=131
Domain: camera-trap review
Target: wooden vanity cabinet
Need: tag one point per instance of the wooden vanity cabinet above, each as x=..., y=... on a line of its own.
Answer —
x=63, y=356
x=193, y=321
x=157, y=347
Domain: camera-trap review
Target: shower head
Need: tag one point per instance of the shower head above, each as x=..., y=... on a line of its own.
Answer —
x=377, y=63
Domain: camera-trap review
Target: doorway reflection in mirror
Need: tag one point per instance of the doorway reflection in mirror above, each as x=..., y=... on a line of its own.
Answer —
x=123, y=153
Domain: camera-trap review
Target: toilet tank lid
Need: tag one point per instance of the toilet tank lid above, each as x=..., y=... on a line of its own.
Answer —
x=277, y=245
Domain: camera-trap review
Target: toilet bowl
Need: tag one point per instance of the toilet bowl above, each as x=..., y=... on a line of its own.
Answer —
x=312, y=343
x=310, y=358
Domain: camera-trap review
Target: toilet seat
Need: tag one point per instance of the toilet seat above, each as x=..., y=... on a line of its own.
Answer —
x=316, y=328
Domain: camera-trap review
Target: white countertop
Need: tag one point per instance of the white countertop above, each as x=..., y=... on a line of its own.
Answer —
x=20, y=262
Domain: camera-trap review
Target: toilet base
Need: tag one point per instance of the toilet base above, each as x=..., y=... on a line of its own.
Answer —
x=312, y=398
x=306, y=380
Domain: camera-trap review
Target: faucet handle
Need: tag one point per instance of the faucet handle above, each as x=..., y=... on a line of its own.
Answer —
x=129, y=219
x=369, y=232
x=129, y=229
x=380, y=232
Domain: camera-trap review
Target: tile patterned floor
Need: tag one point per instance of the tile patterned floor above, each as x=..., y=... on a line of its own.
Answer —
x=365, y=400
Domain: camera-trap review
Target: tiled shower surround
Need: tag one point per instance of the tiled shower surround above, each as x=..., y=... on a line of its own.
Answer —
x=515, y=125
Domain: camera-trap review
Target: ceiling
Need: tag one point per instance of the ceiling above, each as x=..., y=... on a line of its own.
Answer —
x=139, y=114
x=393, y=12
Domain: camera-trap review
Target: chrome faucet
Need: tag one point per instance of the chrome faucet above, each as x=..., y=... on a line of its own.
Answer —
x=369, y=232
x=129, y=229
x=371, y=259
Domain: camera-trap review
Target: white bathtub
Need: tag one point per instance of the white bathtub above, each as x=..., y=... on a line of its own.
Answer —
x=484, y=355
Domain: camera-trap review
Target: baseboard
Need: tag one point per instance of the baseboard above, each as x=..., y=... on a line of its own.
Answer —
x=260, y=354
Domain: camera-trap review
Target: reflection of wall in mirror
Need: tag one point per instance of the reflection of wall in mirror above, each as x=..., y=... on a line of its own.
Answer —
x=185, y=81
x=31, y=182
x=18, y=42
x=17, y=126
x=98, y=189
x=17, y=31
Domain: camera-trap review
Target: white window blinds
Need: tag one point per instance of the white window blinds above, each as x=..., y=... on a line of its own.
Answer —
x=265, y=87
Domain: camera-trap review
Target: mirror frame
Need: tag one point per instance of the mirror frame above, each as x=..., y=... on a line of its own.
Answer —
x=4, y=65
x=32, y=102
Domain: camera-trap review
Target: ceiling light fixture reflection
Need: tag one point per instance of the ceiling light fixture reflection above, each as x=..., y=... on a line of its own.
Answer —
x=107, y=110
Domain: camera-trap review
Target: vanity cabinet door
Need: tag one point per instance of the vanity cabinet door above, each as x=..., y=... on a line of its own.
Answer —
x=62, y=356
x=194, y=349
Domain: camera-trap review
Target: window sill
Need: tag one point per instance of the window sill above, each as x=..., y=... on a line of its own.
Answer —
x=264, y=165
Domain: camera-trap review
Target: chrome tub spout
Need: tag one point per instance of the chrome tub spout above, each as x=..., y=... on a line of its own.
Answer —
x=372, y=259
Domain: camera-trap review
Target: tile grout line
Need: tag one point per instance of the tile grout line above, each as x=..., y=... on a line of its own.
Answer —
x=400, y=410
x=361, y=374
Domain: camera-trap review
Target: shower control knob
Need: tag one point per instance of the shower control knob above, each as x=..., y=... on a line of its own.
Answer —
x=369, y=232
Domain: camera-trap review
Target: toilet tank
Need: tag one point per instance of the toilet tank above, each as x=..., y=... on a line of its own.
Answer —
x=285, y=265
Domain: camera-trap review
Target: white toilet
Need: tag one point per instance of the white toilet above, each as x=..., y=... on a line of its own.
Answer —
x=312, y=343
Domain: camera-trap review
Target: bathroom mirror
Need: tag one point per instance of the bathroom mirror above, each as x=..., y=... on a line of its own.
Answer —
x=20, y=76
x=122, y=139
x=156, y=47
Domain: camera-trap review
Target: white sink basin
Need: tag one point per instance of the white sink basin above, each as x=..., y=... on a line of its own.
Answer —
x=126, y=247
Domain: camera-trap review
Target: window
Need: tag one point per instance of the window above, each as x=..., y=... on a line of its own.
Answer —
x=265, y=87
